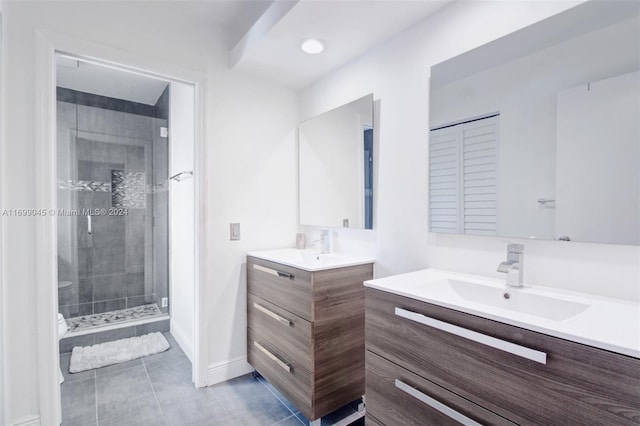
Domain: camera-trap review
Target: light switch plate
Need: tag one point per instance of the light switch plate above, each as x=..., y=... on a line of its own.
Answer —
x=234, y=231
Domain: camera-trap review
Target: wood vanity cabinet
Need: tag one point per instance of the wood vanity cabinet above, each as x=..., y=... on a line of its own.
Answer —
x=306, y=332
x=512, y=376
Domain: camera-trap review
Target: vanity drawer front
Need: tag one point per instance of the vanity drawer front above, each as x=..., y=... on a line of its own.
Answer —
x=288, y=333
x=395, y=396
x=601, y=387
x=287, y=287
x=287, y=376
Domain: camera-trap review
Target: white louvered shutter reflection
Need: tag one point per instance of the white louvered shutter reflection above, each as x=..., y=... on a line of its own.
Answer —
x=444, y=180
x=463, y=163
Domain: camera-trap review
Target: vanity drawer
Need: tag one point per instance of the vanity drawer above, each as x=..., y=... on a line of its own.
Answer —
x=289, y=333
x=287, y=287
x=286, y=375
x=601, y=387
x=395, y=396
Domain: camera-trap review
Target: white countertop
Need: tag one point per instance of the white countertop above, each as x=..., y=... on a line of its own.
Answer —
x=601, y=322
x=310, y=260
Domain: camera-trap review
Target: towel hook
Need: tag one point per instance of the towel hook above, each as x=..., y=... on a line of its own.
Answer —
x=178, y=177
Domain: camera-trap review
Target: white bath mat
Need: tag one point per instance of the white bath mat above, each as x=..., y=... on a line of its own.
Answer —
x=103, y=354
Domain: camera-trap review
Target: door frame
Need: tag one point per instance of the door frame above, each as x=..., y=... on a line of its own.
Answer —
x=3, y=322
x=47, y=45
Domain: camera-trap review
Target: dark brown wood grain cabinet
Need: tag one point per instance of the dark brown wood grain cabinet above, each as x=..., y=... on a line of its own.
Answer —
x=306, y=332
x=419, y=372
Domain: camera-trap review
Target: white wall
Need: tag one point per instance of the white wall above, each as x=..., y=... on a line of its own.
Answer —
x=250, y=164
x=3, y=323
x=598, y=124
x=397, y=72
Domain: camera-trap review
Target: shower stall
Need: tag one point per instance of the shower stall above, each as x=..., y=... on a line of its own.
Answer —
x=113, y=206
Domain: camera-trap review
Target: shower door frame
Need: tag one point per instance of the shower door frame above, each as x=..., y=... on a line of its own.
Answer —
x=47, y=45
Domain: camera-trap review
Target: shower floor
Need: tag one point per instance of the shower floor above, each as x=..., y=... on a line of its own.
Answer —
x=114, y=317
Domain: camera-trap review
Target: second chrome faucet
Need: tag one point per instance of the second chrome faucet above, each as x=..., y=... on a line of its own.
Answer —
x=514, y=265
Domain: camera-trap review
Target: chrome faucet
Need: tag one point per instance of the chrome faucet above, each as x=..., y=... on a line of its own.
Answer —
x=325, y=241
x=514, y=265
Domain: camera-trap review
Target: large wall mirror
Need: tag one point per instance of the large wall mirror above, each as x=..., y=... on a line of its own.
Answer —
x=537, y=135
x=336, y=167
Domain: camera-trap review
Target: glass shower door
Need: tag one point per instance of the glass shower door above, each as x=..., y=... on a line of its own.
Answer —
x=113, y=215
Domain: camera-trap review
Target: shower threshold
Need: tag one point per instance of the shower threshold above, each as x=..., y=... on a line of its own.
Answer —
x=115, y=319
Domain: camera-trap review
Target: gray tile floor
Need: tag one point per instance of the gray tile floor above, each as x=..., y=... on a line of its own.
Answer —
x=157, y=391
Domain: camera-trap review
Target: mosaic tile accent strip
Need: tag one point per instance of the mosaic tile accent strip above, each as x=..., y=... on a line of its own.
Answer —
x=84, y=185
x=113, y=317
x=128, y=189
x=158, y=187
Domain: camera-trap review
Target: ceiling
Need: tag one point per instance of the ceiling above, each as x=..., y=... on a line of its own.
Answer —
x=263, y=38
x=349, y=28
x=233, y=17
x=106, y=81
x=547, y=33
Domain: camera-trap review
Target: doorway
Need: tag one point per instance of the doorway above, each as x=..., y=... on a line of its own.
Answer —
x=126, y=211
x=112, y=199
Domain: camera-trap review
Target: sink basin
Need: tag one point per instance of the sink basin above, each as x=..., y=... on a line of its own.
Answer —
x=517, y=299
x=310, y=260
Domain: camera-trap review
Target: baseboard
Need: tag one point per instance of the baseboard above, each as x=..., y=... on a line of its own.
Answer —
x=228, y=370
x=28, y=421
x=184, y=342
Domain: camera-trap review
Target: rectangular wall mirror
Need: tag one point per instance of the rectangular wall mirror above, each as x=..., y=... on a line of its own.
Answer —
x=537, y=134
x=336, y=167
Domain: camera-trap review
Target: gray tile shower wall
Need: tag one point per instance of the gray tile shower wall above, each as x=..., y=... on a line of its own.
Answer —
x=110, y=267
x=67, y=248
x=162, y=106
x=160, y=238
x=104, y=102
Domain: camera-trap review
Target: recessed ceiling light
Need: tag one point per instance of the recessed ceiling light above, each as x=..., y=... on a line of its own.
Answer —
x=312, y=46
